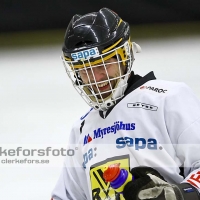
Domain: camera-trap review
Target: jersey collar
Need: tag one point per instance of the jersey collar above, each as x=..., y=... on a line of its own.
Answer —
x=134, y=82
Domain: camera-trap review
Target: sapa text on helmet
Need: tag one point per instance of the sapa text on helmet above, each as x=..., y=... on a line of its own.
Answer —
x=86, y=54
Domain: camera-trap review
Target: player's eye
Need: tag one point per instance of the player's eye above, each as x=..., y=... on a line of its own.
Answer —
x=85, y=70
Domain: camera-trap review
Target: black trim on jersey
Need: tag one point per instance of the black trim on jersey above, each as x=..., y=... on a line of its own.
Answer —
x=134, y=82
x=132, y=85
x=182, y=172
x=81, y=127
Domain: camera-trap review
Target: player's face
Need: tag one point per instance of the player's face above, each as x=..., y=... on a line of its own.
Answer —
x=103, y=73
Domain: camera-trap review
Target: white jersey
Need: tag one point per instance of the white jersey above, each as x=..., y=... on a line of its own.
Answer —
x=157, y=125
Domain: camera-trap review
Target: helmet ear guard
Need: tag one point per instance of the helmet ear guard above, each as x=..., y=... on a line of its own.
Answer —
x=137, y=47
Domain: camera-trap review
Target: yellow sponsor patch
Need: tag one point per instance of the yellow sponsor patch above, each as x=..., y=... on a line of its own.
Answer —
x=101, y=190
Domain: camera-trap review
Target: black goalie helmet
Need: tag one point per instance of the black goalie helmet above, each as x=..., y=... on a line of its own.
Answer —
x=95, y=42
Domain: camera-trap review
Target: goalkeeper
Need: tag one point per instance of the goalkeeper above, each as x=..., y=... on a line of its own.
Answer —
x=132, y=120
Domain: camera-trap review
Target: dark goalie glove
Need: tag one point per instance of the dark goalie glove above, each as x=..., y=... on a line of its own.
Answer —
x=149, y=184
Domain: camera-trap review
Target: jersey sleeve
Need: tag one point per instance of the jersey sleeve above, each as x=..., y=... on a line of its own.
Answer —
x=182, y=115
x=68, y=186
x=72, y=180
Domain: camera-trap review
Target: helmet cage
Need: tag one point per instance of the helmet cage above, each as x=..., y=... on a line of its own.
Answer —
x=124, y=59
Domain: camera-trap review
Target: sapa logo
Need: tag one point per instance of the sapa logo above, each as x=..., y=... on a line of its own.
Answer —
x=87, y=157
x=137, y=143
x=86, y=54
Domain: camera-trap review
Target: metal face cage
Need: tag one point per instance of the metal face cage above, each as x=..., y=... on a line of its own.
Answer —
x=91, y=89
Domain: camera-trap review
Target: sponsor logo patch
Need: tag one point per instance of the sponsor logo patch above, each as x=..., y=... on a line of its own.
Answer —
x=87, y=139
x=188, y=190
x=86, y=54
x=91, y=153
x=113, y=129
x=158, y=90
x=194, y=179
x=137, y=143
x=99, y=187
x=142, y=105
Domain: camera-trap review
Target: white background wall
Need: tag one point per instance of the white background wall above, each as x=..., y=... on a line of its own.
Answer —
x=38, y=105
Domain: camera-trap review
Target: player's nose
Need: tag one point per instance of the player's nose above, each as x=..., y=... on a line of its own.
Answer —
x=99, y=73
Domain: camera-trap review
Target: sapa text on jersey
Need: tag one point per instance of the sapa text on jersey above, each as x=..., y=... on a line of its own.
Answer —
x=137, y=143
